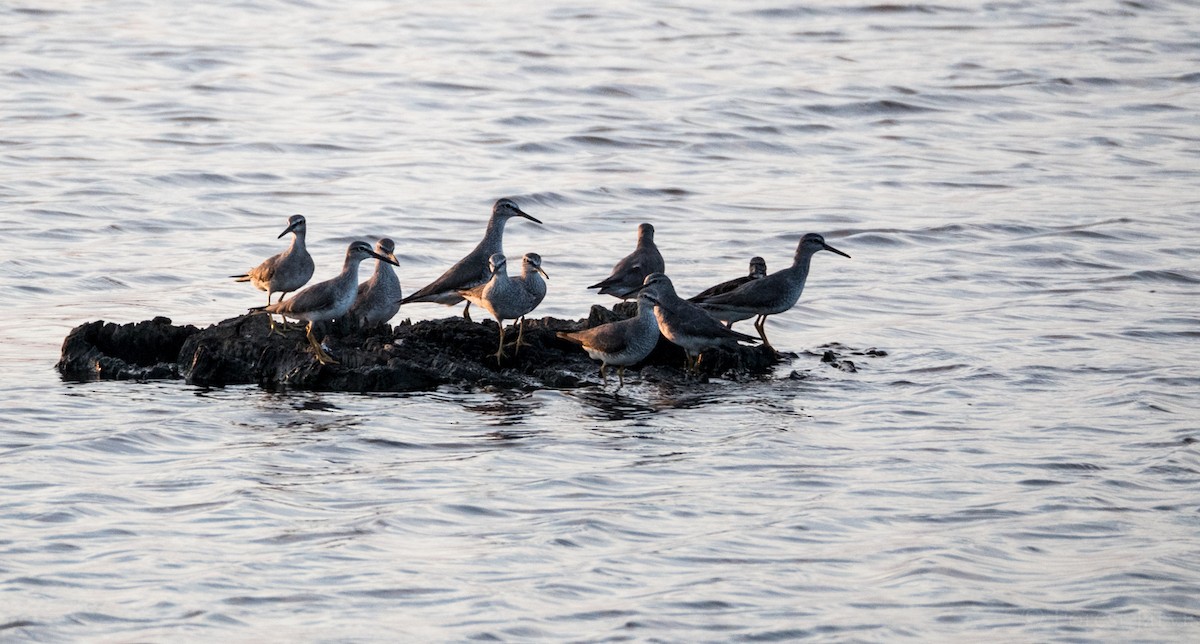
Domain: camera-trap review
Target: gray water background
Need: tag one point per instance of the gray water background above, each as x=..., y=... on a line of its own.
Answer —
x=1017, y=185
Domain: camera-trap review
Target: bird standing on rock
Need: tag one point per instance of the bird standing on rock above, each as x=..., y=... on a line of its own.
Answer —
x=631, y=271
x=286, y=271
x=531, y=279
x=378, y=298
x=325, y=301
x=509, y=298
x=621, y=343
x=473, y=269
x=772, y=294
x=686, y=324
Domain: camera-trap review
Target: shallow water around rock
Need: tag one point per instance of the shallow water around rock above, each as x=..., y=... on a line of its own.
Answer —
x=1012, y=455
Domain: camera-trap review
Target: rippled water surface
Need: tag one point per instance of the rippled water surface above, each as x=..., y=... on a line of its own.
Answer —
x=1017, y=185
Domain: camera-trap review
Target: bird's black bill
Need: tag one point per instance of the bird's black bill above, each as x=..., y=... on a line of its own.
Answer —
x=289, y=229
x=528, y=216
x=831, y=248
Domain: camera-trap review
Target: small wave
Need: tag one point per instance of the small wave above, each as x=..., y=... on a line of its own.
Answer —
x=473, y=510
x=907, y=8
x=969, y=185
x=522, y=120
x=39, y=75
x=452, y=87
x=193, y=119
x=246, y=600
x=878, y=240
x=194, y=179
x=398, y=593
x=624, y=91
x=603, y=141
x=180, y=141
x=1149, y=108
x=885, y=107
x=1162, y=276
x=660, y=192
x=538, y=148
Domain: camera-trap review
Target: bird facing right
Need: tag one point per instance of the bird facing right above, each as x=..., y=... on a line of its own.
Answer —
x=772, y=294
x=326, y=300
x=684, y=323
x=378, y=298
x=472, y=270
x=621, y=343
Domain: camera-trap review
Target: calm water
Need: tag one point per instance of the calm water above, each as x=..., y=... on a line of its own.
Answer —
x=1017, y=184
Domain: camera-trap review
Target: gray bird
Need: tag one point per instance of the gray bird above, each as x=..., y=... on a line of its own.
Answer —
x=472, y=270
x=507, y=298
x=621, y=343
x=531, y=279
x=326, y=300
x=686, y=324
x=631, y=271
x=758, y=270
x=772, y=294
x=286, y=271
x=378, y=298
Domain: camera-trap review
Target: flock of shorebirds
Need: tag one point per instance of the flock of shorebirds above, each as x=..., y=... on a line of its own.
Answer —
x=481, y=278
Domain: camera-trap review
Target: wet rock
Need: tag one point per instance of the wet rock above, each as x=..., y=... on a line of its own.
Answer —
x=837, y=362
x=407, y=357
x=136, y=351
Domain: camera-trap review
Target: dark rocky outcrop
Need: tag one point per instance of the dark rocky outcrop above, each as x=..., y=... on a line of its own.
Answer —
x=407, y=357
x=136, y=351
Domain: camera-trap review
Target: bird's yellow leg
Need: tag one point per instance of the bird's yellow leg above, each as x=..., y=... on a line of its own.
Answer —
x=322, y=357
x=761, y=325
x=520, y=336
x=500, y=350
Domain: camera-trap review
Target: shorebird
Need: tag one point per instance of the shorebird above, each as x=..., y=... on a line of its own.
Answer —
x=531, y=279
x=686, y=324
x=326, y=300
x=758, y=269
x=286, y=271
x=472, y=270
x=630, y=272
x=772, y=294
x=507, y=298
x=378, y=298
x=620, y=343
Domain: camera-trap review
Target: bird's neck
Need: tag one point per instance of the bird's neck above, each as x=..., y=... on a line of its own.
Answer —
x=493, y=237
x=669, y=296
x=350, y=269
x=800, y=264
x=382, y=267
x=297, y=240
x=532, y=281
